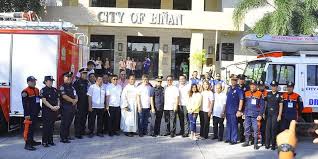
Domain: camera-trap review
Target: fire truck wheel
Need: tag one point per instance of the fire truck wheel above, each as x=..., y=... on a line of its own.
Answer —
x=3, y=123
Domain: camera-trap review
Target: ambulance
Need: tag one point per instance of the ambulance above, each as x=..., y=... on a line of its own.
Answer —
x=32, y=48
x=284, y=59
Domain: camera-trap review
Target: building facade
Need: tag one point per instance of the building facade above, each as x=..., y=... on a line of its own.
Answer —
x=168, y=32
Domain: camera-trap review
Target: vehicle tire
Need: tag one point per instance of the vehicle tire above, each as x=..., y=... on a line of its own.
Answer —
x=3, y=123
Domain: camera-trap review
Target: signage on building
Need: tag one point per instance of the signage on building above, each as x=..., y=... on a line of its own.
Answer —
x=160, y=18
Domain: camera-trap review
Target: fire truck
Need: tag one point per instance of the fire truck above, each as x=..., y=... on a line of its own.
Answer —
x=38, y=49
x=284, y=59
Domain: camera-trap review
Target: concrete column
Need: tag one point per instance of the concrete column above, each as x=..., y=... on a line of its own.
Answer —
x=118, y=55
x=84, y=3
x=84, y=53
x=166, y=4
x=195, y=46
x=197, y=5
x=164, y=57
x=121, y=3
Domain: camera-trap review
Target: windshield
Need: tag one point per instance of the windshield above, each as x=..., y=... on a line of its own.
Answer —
x=255, y=70
x=282, y=73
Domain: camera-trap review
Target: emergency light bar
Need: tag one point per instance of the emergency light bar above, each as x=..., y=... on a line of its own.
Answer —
x=37, y=25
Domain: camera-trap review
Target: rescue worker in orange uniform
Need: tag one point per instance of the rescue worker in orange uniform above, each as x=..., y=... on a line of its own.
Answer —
x=292, y=106
x=31, y=107
x=253, y=112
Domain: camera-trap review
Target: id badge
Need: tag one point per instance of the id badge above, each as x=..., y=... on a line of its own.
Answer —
x=290, y=105
x=253, y=101
x=37, y=100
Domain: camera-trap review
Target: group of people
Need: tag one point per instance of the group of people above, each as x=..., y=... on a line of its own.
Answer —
x=132, y=67
x=138, y=109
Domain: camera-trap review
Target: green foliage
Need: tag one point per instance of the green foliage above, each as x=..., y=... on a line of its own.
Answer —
x=290, y=17
x=198, y=58
x=21, y=5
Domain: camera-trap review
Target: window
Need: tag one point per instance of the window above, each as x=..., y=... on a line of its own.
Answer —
x=312, y=75
x=102, y=47
x=182, y=4
x=150, y=4
x=255, y=70
x=103, y=3
x=227, y=51
x=281, y=73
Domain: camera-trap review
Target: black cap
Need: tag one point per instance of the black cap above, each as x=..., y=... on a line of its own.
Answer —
x=233, y=77
x=290, y=84
x=90, y=63
x=260, y=83
x=159, y=78
x=241, y=77
x=68, y=74
x=83, y=70
x=31, y=78
x=274, y=83
x=46, y=78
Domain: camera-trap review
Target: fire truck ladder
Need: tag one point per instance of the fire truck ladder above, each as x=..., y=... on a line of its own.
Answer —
x=31, y=25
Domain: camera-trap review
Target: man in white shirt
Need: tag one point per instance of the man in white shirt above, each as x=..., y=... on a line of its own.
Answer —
x=145, y=103
x=219, y=112
x=184, y=89
x=96, y=106
x=171, y=106
x=113, y=98
x=106, y=116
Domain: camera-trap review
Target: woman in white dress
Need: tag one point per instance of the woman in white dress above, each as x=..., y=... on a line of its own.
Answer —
x=129, y=118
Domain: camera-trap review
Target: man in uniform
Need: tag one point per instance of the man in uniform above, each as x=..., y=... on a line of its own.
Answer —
x=68, y=102
x=31, y=107
x=81, y=87
x=292, y=106
x=254, y=110
x=50, y=106
x=234, y=104
x=158, y=96
x=274, y=108
x=244, y=87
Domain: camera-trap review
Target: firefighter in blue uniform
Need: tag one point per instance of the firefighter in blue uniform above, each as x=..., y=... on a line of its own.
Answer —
x=31, y=107
x=292, y=106
x=273, y=108
x=262, y=128
x=50, y=107
x=244, y=87
x=234, y=104
x=253, y=112
x=68, y=102
x=81, y=87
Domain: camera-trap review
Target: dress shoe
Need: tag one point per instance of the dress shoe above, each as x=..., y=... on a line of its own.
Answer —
x=34, y=143
x=116, y=133
x=141, y=135
x=185, y=135
x=130, y=134
x=172, y=135
x=227, y=141
x=179, y=134
x=267, y=147
x=214, y=138
x=166, y=134
x=29, y=147
x=256, y=147
x=273, y=148
x=220, y=139
x=154, y=135
x=111, y=134
x=100, y=135
x=79, y=137
x=65, y=141
x=91, y=135
x=45, y=145
x=70, y=138
x=52, y=143
x=233, y=143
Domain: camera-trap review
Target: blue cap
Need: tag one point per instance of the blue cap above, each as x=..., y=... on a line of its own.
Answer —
x=31, y=78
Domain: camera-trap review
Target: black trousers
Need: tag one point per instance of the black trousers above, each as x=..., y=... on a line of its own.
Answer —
x=218, y=127
x=114, y=119
x=156, y=121
x=184, y=120
x=271, y=129
x=92, y=118
x=67, y=116
x=106, y=119
x=81, y=118
x=170, y=119
x=204, y=124
x=49, y=118
x=241, y=135
x=263, y=130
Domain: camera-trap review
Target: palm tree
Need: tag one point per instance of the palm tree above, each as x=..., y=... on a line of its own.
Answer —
x=290, y=17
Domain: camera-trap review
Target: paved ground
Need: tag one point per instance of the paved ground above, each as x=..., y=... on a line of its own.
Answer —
x=11, y=147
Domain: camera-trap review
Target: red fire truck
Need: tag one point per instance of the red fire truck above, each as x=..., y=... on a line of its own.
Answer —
x=32, y=48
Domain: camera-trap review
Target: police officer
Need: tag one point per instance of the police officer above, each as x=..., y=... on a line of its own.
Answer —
x=81, y=87
x=273, y=107
x=244, y=87
x=158, y=96
x=31, y=107
x=68, y=102
x=253, y=112
x=234, y=104
x=50, y=107
x=292, y=106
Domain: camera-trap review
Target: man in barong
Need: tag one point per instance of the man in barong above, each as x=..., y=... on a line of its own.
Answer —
x=129, y=118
